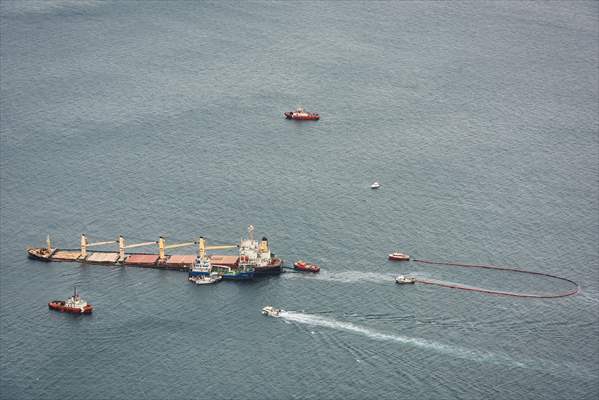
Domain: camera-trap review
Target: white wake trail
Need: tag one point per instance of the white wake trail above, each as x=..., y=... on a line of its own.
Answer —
x=459, y=352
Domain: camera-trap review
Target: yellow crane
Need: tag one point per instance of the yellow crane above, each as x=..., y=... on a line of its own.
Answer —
x=85, y=244
x=162, y=246
x=122, y=246
x=202, y=247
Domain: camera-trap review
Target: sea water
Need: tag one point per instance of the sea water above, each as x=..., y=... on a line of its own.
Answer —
x=144, y=119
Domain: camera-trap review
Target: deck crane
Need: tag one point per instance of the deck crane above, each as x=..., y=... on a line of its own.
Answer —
x=162, y=246
x=202, y=247
x=85, y=244
x=122, y=246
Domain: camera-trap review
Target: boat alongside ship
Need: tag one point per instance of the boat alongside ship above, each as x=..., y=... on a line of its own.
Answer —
x=206, y=279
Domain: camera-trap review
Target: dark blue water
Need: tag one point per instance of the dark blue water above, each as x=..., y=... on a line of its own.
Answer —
x=165, y=118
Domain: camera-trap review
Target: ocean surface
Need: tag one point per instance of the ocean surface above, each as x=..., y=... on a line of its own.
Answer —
x=480, y=121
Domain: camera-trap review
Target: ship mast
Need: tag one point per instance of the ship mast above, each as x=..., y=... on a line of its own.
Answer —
x=251, y=233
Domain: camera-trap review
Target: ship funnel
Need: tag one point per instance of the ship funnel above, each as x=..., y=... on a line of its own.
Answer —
x=263, y=245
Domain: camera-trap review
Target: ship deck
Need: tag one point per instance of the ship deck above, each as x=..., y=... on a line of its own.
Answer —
x=179, y=262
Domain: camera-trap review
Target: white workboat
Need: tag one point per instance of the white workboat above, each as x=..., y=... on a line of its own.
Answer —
x=205, y=279
x=270, y=311
x=401, y=279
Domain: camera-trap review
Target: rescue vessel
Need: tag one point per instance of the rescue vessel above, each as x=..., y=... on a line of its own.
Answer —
x=306, y=267
x=302, y=115
x=73, y=305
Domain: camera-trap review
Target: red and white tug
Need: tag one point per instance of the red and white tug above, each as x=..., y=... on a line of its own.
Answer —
x=306, y=267
x=399, y=257
x=302, y=115
x=73, y=305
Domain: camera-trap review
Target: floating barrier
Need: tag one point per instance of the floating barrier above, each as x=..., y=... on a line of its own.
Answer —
x=571, y=292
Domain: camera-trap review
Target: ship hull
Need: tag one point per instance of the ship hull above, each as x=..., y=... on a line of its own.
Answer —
x=39, y=254
x=307, y=268
x=311, y=117
x=239, y=276
x=59, y=306
x=274, y=268
x=198, y=273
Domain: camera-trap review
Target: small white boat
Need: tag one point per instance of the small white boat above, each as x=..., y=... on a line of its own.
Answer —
x=397, y=256
x=205, y=279
x=270, y=311
x=405, y=279
x=375, y=185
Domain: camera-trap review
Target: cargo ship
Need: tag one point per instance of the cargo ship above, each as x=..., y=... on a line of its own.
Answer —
x=253, y=257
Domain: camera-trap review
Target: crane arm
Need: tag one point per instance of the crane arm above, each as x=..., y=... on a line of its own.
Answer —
x=140, y=245
x=232, y=246
x=101, y=243
x=174, y=246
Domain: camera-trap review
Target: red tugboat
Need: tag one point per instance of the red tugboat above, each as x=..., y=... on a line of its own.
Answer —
x=301, y=115
x=306, y=267
x=399, y=257
x=73, y=305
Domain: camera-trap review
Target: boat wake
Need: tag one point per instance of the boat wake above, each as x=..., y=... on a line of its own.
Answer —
x=317, y=320
x=454, y=351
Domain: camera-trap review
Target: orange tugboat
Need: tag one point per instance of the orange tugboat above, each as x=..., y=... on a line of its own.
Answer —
x=306, y=267
x=301, y=115
x=72, y=305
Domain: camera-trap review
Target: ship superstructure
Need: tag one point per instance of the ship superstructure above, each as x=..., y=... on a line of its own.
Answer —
x=258, y=255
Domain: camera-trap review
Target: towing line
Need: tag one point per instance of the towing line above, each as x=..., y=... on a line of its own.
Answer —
x=571, y=292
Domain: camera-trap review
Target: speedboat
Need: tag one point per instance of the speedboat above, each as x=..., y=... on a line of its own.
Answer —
x=72, y=305
x=405, y=279
x=205, y=279
x=270, y=311
x=375, y=185
x=306, y=267
x=397, y=256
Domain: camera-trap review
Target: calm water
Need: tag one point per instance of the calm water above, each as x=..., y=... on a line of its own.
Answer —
x=165, y=118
